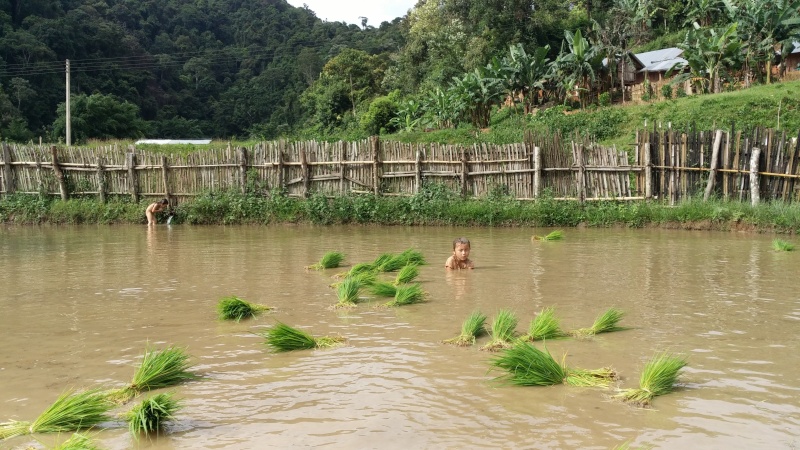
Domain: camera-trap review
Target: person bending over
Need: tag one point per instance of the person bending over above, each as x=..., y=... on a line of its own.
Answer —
x=154, y=208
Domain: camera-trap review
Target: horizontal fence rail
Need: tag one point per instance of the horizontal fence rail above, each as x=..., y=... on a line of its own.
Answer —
x=664, y=164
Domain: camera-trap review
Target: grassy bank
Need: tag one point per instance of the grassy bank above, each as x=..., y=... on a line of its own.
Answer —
x=433, y=206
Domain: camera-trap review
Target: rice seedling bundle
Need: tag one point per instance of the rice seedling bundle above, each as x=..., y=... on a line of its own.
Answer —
x=782, y=246
x=283, y=338
x=528, y=366
x=407, y=294
x=472, y=328
x=544, y=326
x=234, y=308
x=658, y=378
x=392, y=263
x=556, y=235
x=604, y=323
x=411, y=256
x=503, y=330
x=348, y=290
x=77, y=441
x=152, y=414
x=383, y=261
x=72, y=411
x=158, y=369
x=356, y=270
x=329, y=260
x=407, y=274
x=383, y=289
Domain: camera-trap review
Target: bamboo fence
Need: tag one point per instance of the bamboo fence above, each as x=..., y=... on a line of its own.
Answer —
x=664, y=164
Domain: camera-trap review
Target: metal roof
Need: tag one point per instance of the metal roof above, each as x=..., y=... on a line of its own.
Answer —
x=173, y=141
x=660, y=60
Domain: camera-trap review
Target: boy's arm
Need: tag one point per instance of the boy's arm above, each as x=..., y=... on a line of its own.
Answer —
x=449, y=263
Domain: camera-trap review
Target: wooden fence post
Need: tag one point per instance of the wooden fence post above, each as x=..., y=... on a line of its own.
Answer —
x=577, y=152
x=8, y=174
x=374, y=142
x=62, y=182
x=418, y=172
x=39, y=179
x=281, y=178
x=342, y=167
x=133, y=180
x=242, y=153
x=165, y=177
x=464, y=172
x=537, y=171
x=101, y=180
x=754, y=183
x=648, y=172
x=306, y=172
x=712, y=173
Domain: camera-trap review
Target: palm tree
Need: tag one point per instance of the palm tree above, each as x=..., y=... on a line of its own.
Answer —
x=529, y=73
x=580, y=64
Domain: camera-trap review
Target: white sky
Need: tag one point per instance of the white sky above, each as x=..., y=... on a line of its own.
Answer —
x=349, y=11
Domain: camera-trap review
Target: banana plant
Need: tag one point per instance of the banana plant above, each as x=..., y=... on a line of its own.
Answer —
x=709, y=53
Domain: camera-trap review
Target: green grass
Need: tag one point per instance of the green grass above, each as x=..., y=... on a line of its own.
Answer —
x=658, y=378
x=329, y=260
x=152, y=414
x=284, y=338
x=407, y=294
x=544, y=326
x=234, y=308
x=782, y=246
x=472, y=328
x=503, y=330
x=526, y=365
x=72, y=411
x=604, y=323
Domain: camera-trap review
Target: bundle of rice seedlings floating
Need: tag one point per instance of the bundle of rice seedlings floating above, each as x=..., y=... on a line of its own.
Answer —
x=392, y=263
x=234, y=308
x=357, y=269
x=347, y=291
x=658, y=378
x=383, y=289
x=503, y=331
x=544, y=326
x=604, y=323
x=329, y=260
x=77, y=441
x=72, y=411
x=152, y=414
x=411, y=256
x=407, y=294
x=158, y=369
x=556, y=235
x=472, y=328
x=283, y=338
x=528, y=366
x=407, y=274
x=782, y=246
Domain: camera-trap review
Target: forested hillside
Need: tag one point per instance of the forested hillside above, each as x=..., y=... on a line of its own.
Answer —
x=263, y=69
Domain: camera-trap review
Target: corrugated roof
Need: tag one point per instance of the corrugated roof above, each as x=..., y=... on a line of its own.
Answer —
x=660, y=60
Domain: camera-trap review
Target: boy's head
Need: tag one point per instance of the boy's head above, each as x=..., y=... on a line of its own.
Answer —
x=164, y=201
x=462, y=241
x=461, y=249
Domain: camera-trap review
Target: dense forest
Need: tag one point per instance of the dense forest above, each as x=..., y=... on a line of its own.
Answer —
x=263, y=69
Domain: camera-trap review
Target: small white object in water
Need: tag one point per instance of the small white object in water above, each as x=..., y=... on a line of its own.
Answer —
x=169, y=220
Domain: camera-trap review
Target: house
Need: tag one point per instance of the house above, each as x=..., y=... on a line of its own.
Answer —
x=792, y=63
x=651, y=67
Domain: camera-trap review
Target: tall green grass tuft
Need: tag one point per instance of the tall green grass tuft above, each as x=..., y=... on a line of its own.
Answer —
x=782, y=246
x=528, y=366
x=407, y=294
x=658, y=378
x=407, y=274
x=503, y=331
x=152, y=414
x=158, y=369
x=471, y=329
x=544, y=326
x=329, y=260
x=284, y=338
x=234, y=308
x=604, y=323
x=72, y=411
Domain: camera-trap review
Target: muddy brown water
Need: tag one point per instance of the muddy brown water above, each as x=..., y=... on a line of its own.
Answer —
x=78, y=305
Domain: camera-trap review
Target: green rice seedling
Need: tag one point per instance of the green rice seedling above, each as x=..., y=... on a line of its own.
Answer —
x=782, y=246
x=283, y=338
x=348, y=291
x=407, y=274
x=393, y=264
x=528, y=366
x=556, y=235
x=234, y=308
x=383, y=260
x=329, y=260
x=604, y=323
x=77, y=441
x=407, y=294
x=544, y=326
x=383, y=289
x=472, y=328
x=411, y=256
x=363, y=278
x=158, y=369
x=152, y=414
x=658, y=378
x=503, y=331
x=356, y=270
x=72, y=411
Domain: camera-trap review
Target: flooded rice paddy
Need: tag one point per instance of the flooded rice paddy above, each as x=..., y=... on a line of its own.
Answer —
x=78, y=306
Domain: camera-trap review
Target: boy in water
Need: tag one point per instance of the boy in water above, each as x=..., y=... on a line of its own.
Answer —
x=154, y=208
x=460, y=258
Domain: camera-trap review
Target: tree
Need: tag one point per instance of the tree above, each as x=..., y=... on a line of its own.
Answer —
x=529, y=73
x=580, y=65
x=99, y=116
x=710, y=53
x=21, y=90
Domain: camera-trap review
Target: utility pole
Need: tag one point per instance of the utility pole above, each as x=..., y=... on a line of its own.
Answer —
x=69, y=125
